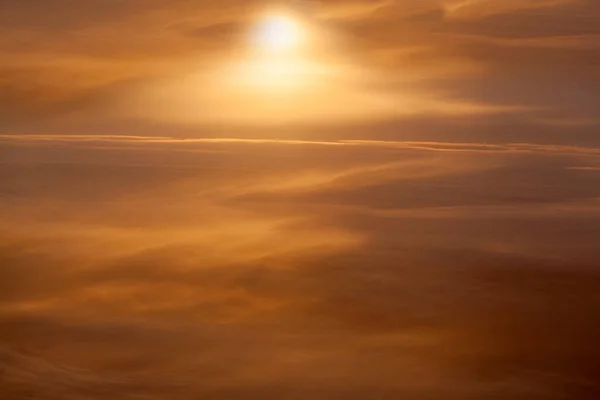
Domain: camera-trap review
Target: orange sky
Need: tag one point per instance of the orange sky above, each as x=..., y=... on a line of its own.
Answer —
x=526, y=66
x=405, y=207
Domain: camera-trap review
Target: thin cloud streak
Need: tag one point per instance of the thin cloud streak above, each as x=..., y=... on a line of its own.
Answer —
x=431, y=146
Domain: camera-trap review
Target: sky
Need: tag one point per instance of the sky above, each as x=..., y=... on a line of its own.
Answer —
x=336, y=199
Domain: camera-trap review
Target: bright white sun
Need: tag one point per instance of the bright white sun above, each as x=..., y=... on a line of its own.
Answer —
x=278, y=34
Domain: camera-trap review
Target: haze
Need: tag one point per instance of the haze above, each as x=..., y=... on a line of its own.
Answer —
x=336, y=199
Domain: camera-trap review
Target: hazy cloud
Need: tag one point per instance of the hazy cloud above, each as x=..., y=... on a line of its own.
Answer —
x=423, y=224
x=267, y=267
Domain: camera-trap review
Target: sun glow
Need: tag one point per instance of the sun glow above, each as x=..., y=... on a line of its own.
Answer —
x=278, y=33
x=278, y=58
x=287, y=69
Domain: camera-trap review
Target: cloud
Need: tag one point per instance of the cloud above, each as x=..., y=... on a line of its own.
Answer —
x=483, y=8
x=74, y=65
x=445, y=249
x=270, y=267
x=199, y=144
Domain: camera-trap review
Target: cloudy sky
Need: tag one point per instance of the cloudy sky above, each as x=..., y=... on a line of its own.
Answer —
x=336, y=199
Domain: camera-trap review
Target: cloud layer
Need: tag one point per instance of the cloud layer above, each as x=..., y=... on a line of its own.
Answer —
x=424, y=224
x=137, y=267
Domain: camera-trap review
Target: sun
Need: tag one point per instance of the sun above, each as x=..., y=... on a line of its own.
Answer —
x=278, y=60
x=278, y=33
x=286, y=67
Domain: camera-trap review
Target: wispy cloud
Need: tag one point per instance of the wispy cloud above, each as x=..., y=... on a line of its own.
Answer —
x=406, y=231
x=191, y=144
